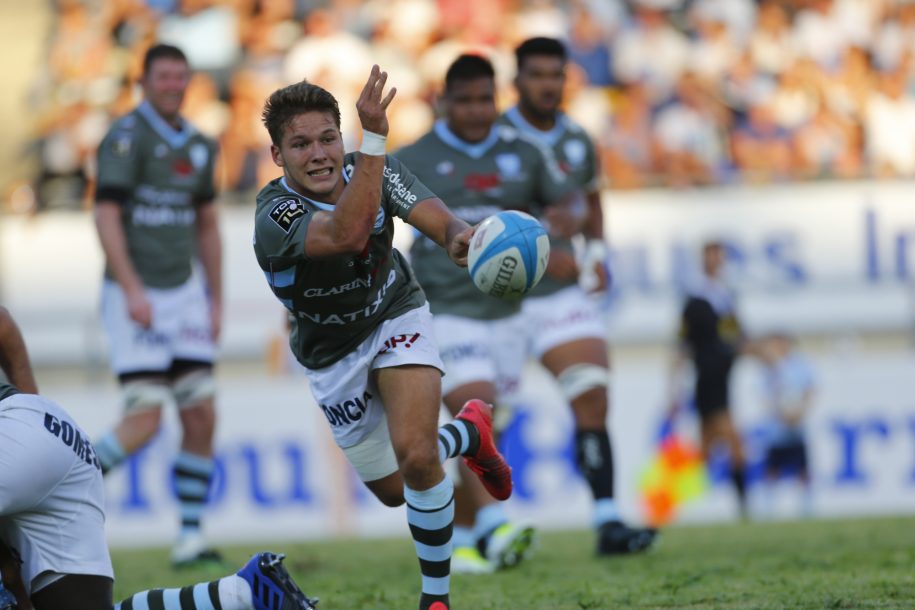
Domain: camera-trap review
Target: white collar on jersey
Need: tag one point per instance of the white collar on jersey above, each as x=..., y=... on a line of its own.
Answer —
x=472, y=150
x=547, y=137
x=329, y=207
x=174, y=137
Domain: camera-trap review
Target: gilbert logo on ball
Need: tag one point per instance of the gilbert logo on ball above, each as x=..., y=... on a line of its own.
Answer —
x=508, y=254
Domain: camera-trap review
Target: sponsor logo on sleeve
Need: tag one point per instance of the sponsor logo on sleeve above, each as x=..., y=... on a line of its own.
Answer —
x=285, y=213
x=122, y=145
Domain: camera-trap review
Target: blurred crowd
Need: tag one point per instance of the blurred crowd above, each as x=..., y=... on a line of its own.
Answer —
x=675, y=92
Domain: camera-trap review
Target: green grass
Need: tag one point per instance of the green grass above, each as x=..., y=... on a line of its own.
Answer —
x=866, y=563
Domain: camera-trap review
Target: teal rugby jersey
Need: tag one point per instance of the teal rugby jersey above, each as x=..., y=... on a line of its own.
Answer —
x=336, y=303
x=507, y=170
x=576, y=155
x=160, y=175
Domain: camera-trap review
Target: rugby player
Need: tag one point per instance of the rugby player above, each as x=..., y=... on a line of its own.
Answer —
x=155, y=216
x=361, y=326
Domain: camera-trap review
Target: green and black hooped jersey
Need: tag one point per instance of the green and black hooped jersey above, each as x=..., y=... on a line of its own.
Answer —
x=7, y=390
x=159, y=175
x=336, y=303
x=506, y=171
x=575, y=153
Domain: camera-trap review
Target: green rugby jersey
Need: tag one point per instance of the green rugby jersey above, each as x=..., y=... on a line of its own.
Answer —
x=7, y=390
x=159, y=175
x=506, y=171
x=575, y=153
x=336, y=302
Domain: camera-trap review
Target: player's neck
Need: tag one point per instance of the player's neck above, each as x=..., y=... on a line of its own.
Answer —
x=543, y=122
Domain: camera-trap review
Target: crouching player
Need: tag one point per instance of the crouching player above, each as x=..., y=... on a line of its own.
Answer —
x=362, y=328
x=53, y=552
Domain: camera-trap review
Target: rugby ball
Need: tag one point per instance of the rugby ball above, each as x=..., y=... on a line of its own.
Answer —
x=508, y=254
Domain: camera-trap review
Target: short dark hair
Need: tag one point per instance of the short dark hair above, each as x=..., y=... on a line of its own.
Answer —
x=161, y=51
x=468, y=67
x=285, y=104
x=540, y=45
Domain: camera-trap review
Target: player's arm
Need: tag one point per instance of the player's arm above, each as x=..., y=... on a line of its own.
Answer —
x=434, y=220
x=114, y=246
x=346, y=230
x=10, y=573
x=14, y=357
x=209, y=249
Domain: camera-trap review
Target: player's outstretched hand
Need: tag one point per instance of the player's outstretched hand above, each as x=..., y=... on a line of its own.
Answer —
x=372, y=106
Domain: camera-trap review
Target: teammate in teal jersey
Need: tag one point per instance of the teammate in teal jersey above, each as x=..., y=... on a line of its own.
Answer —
x=565, y=330
x=53, y=552
x=479, y=169
x=361, y=326
x=155, y=215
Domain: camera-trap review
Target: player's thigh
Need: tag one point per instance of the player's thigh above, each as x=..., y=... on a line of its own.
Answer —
x=479, y=390
x=590, y=350
x=562, y=318
x=76, y=592
x=411, y=395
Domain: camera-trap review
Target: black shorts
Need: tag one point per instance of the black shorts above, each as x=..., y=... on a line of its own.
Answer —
x=787, y=457
x=713, y=390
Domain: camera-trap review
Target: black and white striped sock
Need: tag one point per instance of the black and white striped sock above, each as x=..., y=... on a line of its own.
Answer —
x=229, y=593
x=430, y=514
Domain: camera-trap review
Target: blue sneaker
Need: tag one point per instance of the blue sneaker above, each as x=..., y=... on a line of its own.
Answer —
x=272, y=588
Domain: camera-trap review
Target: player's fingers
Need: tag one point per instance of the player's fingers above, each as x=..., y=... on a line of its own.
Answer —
x=370, y=83
x=378, y=87
x=387, y=99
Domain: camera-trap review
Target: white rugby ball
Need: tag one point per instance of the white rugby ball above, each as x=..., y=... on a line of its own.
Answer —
x=508, y=254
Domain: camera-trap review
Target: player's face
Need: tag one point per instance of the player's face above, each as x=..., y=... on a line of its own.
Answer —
x=164, y=85
x=539, y=83
x=713, y=259
x=311, y=155
x=470, y=108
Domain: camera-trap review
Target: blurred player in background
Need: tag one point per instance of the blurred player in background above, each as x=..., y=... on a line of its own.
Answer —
x=712, y=338
x=155, y=215
x=790, y=387
x=478, y=168
x=53, y=553
x=362, y=327
x=565, y=330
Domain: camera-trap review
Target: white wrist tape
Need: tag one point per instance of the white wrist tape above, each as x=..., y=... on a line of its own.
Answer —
x=595, y=252
x=372, y=144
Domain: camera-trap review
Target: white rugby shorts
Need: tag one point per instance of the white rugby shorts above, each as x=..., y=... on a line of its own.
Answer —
x=481, y=350
x=52, y=497
x=346, y=392
x=559, y=318
x=180, y=327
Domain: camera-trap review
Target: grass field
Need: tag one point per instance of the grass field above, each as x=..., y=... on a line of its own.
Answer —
x=867, y=563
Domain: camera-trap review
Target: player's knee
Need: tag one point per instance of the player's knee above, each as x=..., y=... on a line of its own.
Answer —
x=194, y=388
x=145, y=395
x=198, y=424
x=580, y=379
x=418, y=464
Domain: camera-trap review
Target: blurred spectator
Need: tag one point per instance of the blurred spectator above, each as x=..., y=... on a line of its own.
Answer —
x=651, y=50
x=827, y=146
x=763, y=150
x=587, y=47
x=689, y=134
x=770, y=43
x=628, y=155
x=889, y=126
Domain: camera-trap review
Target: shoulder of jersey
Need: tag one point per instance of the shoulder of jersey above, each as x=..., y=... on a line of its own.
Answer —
x=127, y=122
x=508, y=132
